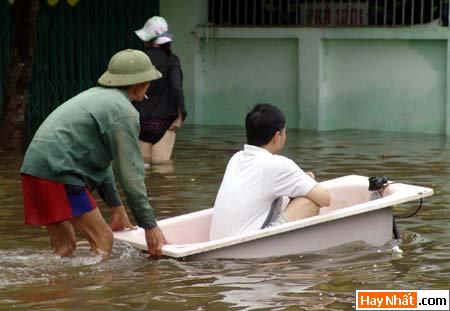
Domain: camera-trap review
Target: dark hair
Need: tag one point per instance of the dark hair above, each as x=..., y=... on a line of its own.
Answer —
x=164, y=47
x=262, y=122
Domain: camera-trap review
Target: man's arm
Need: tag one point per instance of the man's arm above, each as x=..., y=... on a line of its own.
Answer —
x=109, y=194
x=319, y=194
x=292, y=181
x=119, y=219
x=129, y=167
x=108, y=190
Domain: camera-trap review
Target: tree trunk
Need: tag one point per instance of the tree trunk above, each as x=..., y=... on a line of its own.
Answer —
x=24, y=15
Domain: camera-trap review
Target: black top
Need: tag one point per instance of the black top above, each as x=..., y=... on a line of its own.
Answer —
x=165, y=95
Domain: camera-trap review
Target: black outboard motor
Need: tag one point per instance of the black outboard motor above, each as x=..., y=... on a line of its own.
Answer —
x=376, y=186
x=377, y=183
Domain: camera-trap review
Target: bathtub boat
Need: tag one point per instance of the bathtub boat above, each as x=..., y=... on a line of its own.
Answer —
x=351, y=216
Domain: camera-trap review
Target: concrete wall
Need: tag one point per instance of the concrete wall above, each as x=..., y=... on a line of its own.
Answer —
x=393, y=79
x=238, y=73
x=397, y=85
x=183, y=18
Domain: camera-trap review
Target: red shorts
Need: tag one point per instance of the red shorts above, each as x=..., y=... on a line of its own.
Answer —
x=48, y=202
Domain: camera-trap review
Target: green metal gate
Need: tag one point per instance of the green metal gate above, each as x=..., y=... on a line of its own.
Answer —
x=5, y=30
x=74, y=46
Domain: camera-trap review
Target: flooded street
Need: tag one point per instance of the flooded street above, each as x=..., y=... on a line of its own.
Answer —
x=31, y=278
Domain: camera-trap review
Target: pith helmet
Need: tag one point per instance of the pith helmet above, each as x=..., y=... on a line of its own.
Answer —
x=129, y=67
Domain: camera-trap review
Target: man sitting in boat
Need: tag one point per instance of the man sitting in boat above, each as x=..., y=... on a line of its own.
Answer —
x=257, y=178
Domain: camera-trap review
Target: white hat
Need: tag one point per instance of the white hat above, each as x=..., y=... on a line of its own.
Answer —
x=155, y=27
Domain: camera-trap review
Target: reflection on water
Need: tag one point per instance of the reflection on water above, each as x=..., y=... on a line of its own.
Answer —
x=33, y=278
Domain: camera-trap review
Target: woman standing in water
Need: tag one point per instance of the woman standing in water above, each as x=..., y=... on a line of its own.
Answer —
x=163, y=111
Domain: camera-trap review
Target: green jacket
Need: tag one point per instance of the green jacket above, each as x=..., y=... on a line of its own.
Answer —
x=82, y=139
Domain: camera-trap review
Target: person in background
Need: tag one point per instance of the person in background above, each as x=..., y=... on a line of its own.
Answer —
x=73, y=153
x=163, y=112
x=256, y=179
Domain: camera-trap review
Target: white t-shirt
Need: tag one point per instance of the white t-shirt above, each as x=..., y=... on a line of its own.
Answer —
x=253, y=179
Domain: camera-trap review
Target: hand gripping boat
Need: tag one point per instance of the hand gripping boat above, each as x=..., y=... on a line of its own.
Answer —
x=351, y=216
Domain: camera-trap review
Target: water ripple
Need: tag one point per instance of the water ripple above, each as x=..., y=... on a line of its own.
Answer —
x=31, y=277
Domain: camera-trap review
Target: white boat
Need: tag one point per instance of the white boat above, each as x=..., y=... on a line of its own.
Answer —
x=351, y=216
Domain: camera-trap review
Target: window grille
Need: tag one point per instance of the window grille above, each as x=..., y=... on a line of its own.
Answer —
x=324, y=13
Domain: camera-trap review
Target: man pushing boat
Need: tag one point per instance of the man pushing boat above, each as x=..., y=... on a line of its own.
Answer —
x=73, y=153
x=257, y=178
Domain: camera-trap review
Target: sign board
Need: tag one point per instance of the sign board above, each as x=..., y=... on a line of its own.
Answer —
x=335, y=14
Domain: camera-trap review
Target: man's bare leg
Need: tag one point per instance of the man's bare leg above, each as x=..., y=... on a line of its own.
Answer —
x=94, y=228
x=301, y=207
x=62, y=238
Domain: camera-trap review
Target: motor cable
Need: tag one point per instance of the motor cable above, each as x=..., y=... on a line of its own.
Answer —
x=413, y=214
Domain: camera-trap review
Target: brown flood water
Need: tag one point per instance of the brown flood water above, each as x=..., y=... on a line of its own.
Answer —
x=31, y=278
